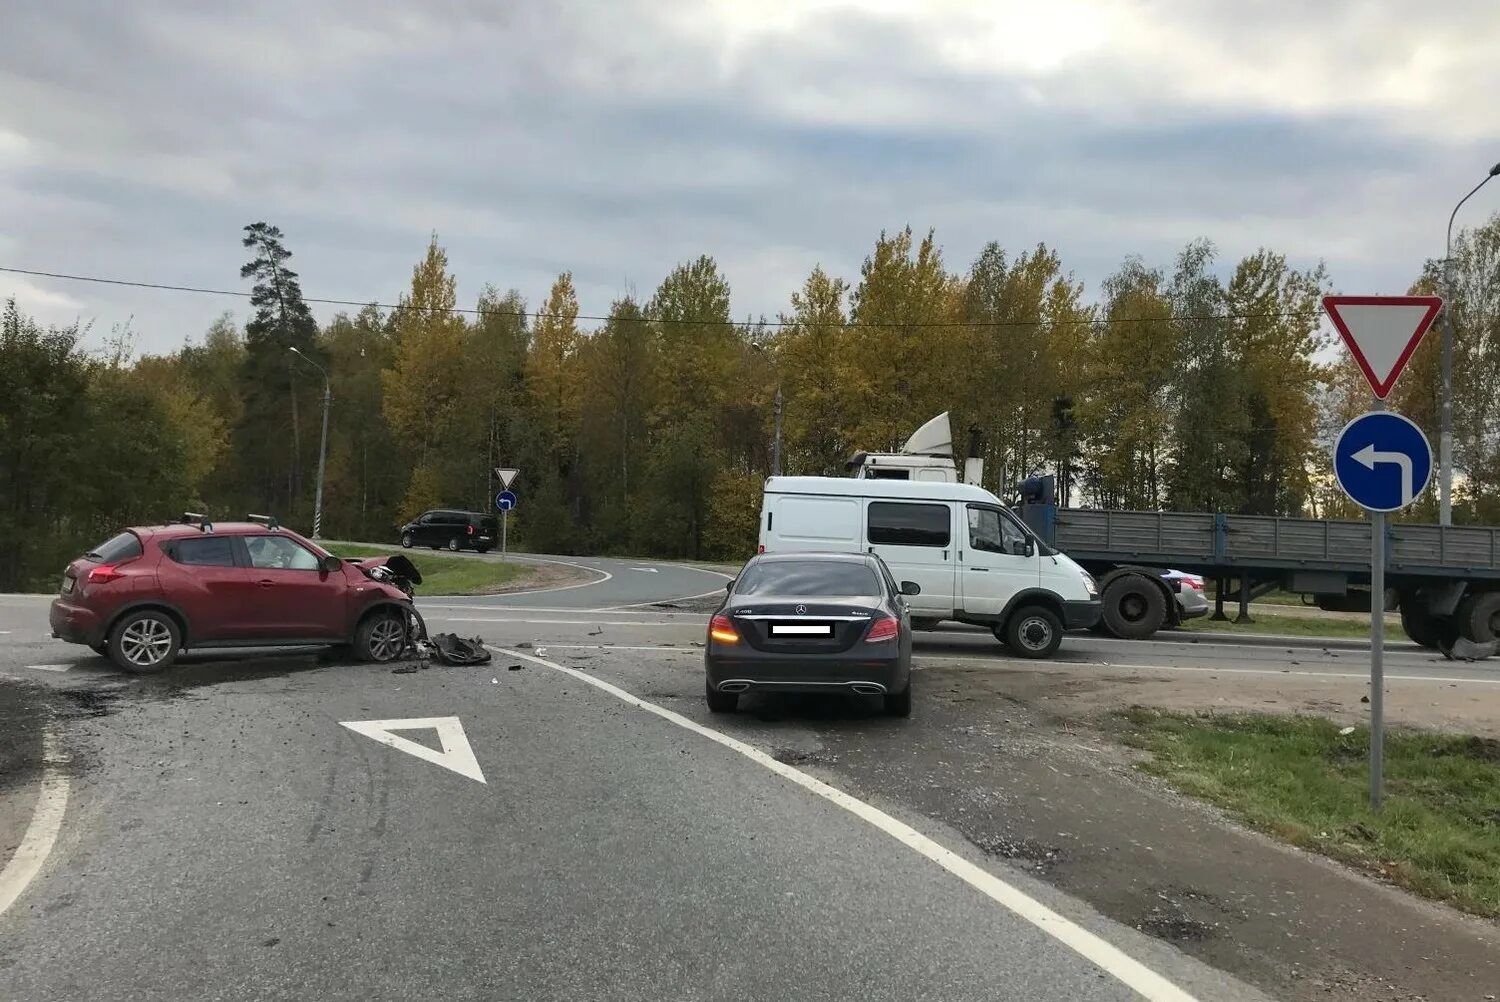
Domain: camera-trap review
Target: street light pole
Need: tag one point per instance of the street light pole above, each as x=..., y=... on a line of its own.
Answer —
x=1445, y=437
x=322, y=445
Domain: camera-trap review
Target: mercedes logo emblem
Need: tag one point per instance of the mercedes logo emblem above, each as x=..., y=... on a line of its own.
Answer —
x=801, y=610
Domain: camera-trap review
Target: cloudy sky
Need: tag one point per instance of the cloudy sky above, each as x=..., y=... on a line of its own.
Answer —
x=616, y=138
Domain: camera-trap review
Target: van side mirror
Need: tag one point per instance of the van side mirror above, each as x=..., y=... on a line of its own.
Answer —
x=1021, y=548
x=729, y=585
x=910, y=588
x=329, y=564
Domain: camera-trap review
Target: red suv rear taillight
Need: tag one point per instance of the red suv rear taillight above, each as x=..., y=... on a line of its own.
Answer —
x=104, y=574
x=471, y=528
x=883, y=629
x=721, y=629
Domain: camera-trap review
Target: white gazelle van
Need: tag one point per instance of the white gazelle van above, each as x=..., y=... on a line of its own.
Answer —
x=974, y=560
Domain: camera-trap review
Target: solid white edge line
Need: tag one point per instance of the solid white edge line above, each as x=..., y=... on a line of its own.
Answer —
x=497, y=609
x=1021, y=663
x=565, y=563
x=41, y=834
x=1099, y=952
x=546, y=622
x=679, y=598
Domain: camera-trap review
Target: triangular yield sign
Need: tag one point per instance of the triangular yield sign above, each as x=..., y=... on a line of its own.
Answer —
x=505, y=475
x=1382, y=332
x=456, y=755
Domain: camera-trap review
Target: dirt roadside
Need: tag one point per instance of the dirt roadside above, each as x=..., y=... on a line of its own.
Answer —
x=1015, y=760
x=1086, y=696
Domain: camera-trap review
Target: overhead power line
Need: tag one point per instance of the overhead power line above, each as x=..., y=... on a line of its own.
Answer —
x=539, y=314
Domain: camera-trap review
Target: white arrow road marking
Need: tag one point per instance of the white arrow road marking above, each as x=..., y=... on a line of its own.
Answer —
x=456, y=755
x=1368, y=457
x=648, y=570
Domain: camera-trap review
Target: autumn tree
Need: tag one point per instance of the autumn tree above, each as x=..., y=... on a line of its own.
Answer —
x=910, y=340
x=1275, y=327
x=818, y=359
x=424, y=401
x=1207, y=398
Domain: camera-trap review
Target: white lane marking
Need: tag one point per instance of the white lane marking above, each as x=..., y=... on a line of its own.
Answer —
x=41, y=834
x=49, y=667
x=918, y=659
x=648, y=570
x=1108, y=957
x=546, y=622
x=457, y=755
x=574, y=610
x=624, y=647
x=565, y=563
x=680, y=598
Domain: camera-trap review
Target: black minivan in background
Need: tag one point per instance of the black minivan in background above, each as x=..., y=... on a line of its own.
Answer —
x=452, y=529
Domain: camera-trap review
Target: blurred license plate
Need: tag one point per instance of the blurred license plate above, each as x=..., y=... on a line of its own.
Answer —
x=801, y=629
x=67, y=588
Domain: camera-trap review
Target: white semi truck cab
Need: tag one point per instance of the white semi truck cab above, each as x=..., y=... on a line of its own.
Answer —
x=926, y=456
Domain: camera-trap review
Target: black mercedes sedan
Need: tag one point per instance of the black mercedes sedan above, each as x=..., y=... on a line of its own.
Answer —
x=812, y=622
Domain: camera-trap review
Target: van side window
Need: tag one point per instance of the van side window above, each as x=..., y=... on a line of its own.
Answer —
x=890, y=474
x=992, y=532
x=895, y=523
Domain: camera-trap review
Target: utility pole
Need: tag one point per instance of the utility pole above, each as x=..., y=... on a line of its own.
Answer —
x=1445, y=435
x=776, y=444
x=322, y=447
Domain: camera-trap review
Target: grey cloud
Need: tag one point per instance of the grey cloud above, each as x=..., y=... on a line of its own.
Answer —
x=600, y=138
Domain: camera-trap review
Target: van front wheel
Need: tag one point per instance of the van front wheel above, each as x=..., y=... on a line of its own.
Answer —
x=1033, y=631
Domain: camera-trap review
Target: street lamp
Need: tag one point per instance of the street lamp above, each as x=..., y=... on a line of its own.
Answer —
x=1445, y=440
x=776, y=442
x=323, y=445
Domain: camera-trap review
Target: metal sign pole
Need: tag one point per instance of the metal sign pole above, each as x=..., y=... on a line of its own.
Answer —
x=503, y=520
x=1377, y=656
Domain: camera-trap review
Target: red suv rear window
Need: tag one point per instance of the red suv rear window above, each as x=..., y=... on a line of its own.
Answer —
x=122, y=547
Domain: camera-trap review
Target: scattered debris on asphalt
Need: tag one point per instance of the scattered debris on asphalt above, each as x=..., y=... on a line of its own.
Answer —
x=404, y=670
x=451, y=649
x=523, y=645
x=514, y=667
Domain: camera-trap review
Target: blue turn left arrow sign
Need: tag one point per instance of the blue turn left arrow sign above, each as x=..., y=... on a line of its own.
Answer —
x=1382, y=461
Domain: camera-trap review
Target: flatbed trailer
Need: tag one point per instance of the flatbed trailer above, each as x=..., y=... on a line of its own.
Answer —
x=1446, y=579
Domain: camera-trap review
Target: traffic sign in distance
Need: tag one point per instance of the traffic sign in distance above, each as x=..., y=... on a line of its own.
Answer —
x=505, y=501
x=505, y=476
x=1382, y=332
x=1382, y=461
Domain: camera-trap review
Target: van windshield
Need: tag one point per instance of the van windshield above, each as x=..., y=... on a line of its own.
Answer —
x=808, y=577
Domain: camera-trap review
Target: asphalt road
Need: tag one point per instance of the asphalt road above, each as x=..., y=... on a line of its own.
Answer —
x=227, y=835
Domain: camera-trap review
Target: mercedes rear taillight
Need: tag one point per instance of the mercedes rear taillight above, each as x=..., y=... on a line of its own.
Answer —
x=885, y=628
x=721, y=629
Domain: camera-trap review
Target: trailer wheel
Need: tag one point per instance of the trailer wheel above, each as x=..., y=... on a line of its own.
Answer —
x=1421, y=626
x=1479, y=617
x=1134, y=608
